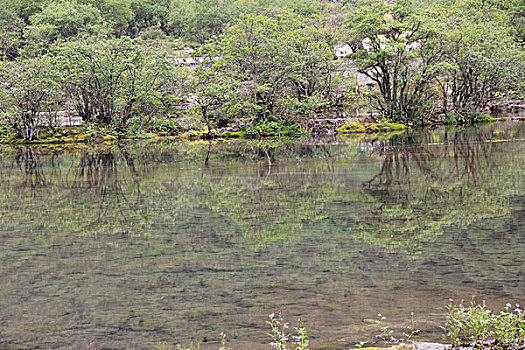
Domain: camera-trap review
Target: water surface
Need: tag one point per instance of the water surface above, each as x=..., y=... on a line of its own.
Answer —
x=123, y=246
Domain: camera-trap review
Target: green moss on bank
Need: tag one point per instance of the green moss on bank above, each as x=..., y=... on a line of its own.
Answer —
x=357, y=127
x=351, y=127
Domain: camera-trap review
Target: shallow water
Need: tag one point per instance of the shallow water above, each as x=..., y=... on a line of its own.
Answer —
x=128, y=245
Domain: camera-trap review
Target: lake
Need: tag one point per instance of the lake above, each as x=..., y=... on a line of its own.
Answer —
x=119, y=246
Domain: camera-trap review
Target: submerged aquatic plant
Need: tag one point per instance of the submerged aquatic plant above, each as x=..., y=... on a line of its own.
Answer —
x=165, y=346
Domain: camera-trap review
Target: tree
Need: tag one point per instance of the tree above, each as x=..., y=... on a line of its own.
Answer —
x=398, y=54
x=118, y=15
x=482, y=60
x=64, y=19
x=149, y=14
x=276, y=63
x=199, y=20
x=10, y=33
x=23, y=9
x=220, y=98
x=307, y=58
x=28, y=88
x=108, y=81
x=460, y=55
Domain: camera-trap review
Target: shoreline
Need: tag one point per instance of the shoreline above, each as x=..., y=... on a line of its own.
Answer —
x=84, y=134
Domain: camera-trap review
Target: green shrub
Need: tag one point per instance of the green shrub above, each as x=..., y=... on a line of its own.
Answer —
x=392, y=126
x=274, y=128
x=450, y=119
x=483, y=118
x=281, y=337
x=477, y=324
x=467, y=116
x=169, y=126
x=231, y=134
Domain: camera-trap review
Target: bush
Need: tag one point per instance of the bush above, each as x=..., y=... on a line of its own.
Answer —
x=274, y=128
x=467, y=117
x=478, y=324
x=168, y=126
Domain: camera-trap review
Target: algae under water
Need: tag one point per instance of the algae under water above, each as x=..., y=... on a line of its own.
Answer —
x=126, y=245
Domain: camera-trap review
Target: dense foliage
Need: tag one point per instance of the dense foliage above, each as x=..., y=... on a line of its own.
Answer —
x=216, y=62
x=268, y=65
x=456, y=56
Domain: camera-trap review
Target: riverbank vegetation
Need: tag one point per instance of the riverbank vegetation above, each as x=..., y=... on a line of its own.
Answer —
x=140, y=67
x=473, y=326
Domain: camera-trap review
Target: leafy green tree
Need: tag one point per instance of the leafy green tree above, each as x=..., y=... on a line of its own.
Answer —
x=482, y=60
x=10, y=33
x=276, y=63
x=149, y=14
x=28, y=89
x=220, y=98
x=304, y=8
x=64, y=19
x=460, y=55
x=199, y=20
x=307, y=59
x=160, y=85
x=108, y=81
x=517, y=22
x=398, y=54
x=23, y=9
x=118, y=14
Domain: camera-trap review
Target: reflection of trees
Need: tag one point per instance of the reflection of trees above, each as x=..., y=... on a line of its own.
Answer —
x=274, y=204
x=425, y=181
x=103, y=187
x=111, y=178
x=28, y=162
x=430, y=182
x=264, y=208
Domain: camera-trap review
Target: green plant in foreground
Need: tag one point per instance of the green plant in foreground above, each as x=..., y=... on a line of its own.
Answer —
x=282, y=339
x=412, y=329
x=387, y=334
x=479, y=325
x=223, y=342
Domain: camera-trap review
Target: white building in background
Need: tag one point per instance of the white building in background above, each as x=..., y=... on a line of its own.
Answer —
x=342, y=50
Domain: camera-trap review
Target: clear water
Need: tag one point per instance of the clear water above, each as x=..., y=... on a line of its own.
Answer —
x=125, y=246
